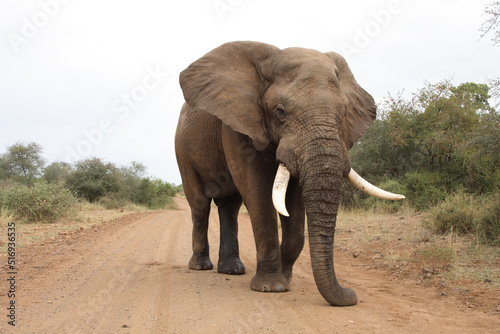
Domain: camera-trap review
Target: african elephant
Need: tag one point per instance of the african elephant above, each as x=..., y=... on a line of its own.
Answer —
x=253, y=110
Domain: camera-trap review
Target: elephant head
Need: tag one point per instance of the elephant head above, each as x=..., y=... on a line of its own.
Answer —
x=306, y=107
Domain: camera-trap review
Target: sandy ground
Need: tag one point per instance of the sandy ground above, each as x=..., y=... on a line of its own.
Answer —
x=131, y=276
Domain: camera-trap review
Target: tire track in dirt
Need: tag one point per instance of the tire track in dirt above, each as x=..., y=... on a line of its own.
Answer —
x=132, y=277
x=104, y=296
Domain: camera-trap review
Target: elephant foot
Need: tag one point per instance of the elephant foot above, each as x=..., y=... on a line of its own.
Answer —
x=269, y=283
x=200, y=263
x=231, y=266
x=287, y=274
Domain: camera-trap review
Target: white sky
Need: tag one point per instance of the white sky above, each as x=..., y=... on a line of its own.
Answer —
x=68, y=66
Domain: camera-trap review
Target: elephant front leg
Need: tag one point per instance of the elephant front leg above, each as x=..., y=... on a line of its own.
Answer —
x=253, y=175
x=269, y=276
x=292, y=229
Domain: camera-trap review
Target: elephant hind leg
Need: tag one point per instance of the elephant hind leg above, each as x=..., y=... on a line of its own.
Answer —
x=229, y=256
x=201, y=250
x=200, y=212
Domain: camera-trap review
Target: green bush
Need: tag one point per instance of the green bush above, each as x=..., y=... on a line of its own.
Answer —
x=41, y=203
x=456, y=214
x=463, y=213
x=112, y=202
x=488, y=221
x=155, y=194
x=424, y=189
x=351, y=197
x=444, y=139
x=93, y=179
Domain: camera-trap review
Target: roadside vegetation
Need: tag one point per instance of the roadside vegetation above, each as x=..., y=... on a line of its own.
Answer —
x=442, y=150
x=33, y=192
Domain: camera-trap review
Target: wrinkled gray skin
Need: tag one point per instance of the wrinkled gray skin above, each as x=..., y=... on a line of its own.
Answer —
x=250, y=106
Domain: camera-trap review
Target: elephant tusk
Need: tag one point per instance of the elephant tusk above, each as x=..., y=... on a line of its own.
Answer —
x=370, y=189
x=279, y=190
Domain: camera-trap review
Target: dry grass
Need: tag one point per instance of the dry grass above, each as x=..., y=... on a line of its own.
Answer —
x=87, y=216
x=402, y=243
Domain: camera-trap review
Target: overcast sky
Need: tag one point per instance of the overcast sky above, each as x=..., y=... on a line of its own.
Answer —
x=100, y=78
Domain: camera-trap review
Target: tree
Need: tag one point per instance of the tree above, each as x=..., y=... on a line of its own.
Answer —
x=480, y=153
x=448, y=131
x=131, y=177
x=22, y=162
x=492, y=24
x=57, y=171
x=154, y=193
x=93, y=179
x=136, y=169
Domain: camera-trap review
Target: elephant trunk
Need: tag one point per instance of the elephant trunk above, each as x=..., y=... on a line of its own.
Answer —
x=321, y=181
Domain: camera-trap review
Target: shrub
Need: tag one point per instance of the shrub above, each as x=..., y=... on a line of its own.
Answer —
x=393, y=186
x=350, y=197
x=456, y=214
x=112, y=202
x=488, y=222
x=41, y=203
x=93, y=179
x=57, y=172
x=6, y=216
x=424, y=189
x=464, y=213
x=155, y=194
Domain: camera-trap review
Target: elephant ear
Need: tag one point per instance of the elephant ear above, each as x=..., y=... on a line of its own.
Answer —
x=227, y=83
x=362, y=109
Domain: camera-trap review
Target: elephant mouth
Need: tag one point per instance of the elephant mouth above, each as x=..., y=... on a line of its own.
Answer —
x=283, y=177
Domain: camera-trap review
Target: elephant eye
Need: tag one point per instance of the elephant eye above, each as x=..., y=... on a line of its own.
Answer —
x=280, y=113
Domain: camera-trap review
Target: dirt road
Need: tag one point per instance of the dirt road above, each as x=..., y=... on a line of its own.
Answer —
x=131, y=276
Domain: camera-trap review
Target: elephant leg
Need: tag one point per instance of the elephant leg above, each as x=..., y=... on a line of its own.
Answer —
x=292, y=229
x=200, y=211
x=229, y=256
x=269, y=276
x=201, y=251
x=253, y=174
